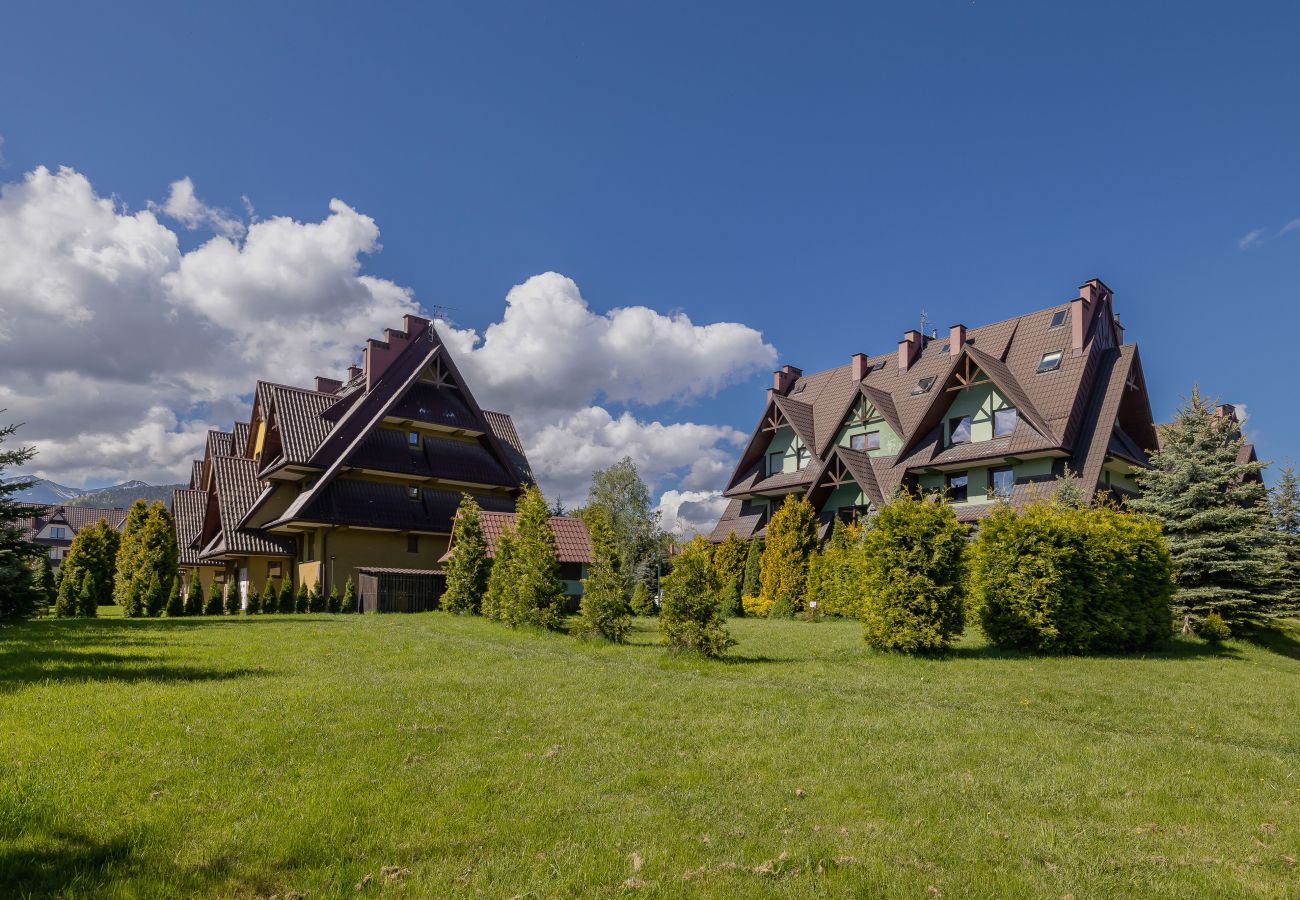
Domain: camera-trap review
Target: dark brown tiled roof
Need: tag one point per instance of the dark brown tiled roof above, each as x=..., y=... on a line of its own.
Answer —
x=800, y=417
x=235, y=479
x=740, y=517
x=437, y=406
x=572, y=543
x=239, y=439
x=219, y=443
x=782, y=482
x=298, y=414
x=372, y=504
x=504, y=428
x=196, y=474
x=188, y=507
x=81, y=516
x=438, y=457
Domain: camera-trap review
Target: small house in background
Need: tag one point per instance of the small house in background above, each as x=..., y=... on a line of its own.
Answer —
x=54, y=527
x=572, y=547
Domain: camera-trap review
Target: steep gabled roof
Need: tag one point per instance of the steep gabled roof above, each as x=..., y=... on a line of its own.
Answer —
x=219, y=443
x=239, y=439
x=298, y=415
x=236, y=486
x=800, y=417
x=841, y=467
x=187, y=512
x=504, y=428
x=741, y=517
x=196, y=474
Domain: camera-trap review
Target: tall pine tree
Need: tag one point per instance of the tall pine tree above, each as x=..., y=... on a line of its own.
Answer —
x=1212, y=507
x=130, y=572
x=17, y=591
x=1284, y=505
x=467, y=566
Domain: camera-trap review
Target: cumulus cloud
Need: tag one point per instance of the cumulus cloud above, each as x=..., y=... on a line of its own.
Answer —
x=183, y=205
x=1252, y=238
x=688, y=513
x=121, y=350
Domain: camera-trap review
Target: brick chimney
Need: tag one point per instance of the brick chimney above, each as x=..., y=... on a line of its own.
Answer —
x=328, y=385
x=1082, y=308
x=353, y=372
x=956, y=339
x=859, y=364
x=784, y=378
x=378, y=355
x=1226, y=411
x=908, y=348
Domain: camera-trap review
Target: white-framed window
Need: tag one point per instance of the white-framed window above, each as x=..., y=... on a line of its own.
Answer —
x=1004, y=421
x=58, y=533
x=1050, y=362
x=1001, y=481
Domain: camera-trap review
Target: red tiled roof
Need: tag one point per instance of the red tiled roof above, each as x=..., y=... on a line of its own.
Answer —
x=572, y=543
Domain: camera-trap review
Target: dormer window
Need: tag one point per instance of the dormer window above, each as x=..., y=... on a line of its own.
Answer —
x=413, y=439
x=923, y=386
x=1058, y=318
x=801, y=458
x=1050, y=362
x=959, y=430
x=1004, y=421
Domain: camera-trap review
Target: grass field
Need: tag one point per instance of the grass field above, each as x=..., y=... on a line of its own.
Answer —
x=281, y=755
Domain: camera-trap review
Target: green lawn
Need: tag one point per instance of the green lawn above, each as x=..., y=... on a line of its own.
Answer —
x=273, y=755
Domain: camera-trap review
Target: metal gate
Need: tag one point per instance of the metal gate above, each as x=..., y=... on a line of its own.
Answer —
x=399, y=590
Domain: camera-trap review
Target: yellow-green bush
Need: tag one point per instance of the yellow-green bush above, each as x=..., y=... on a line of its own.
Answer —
x=791, y=542
x=1058, y=578
x=836, y=573
x=756, y=607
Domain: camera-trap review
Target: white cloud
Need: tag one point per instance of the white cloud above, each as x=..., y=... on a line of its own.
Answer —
x=688, y=513
x=183, y=205
x=1252, y=238
x=1289, y=227
x=120, y=349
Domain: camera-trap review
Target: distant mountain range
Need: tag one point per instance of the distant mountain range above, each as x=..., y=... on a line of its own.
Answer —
x=45, y=491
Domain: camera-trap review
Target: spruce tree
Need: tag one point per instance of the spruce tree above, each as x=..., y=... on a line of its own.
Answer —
x=88, y=599
x=303, y=602
x=603, y=609
x=332, y=602
x=17, y=591
x=791, y=540
x=253, y=601
x=194, y=597
x=1214, y=516
x=539, y=594
x=175, y=607
x=216, y=601
x=503, y=581
x=232, y=599
x=43, y=583
x=467, y=565
x=753, y=585
x=349, y=597
x=286, y=603
x=690, y=620
x=129, y=564
x=315, y=599
x=642, y=603
x=1284, y=506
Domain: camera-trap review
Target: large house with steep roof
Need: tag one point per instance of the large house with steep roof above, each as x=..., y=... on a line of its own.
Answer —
x=353, y=478
x=54, y=527
x=981, y=414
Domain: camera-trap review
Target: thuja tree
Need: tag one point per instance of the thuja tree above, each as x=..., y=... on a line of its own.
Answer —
x=68, y=602
x=43, y=582
x=215, y=601
x=270, y=596
x=146, y=560
x=1212, y=508
x=17, y=589
x=791, y=541
x=729, y=567
x=93, y=553
x=286, y=601
x=253, y=600
x=175, y=605
x=690, y=619
x=753, y=583
x=836, y=573
x=303, y=601
x=502, y=580
x=316, y=598
x=539, y=592
x=232, y=601
x=194, y=596
x=604, y=610
x=1284, y=505
x=914, y=576
x=130, y=572
x=332, y=602
x=467, y=566
x=642, y=602
x=349, y=596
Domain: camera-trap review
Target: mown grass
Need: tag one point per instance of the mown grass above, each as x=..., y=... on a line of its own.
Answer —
x=273, y=755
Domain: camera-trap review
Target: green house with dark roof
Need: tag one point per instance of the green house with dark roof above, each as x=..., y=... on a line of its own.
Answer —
x=987, y=414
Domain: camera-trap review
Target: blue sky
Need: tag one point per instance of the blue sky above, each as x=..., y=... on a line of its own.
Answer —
x=773, y=165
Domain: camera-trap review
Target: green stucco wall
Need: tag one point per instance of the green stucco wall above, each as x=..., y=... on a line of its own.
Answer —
x=787, y=443
x=890, y=443
x=978, y=402
x=977, y=489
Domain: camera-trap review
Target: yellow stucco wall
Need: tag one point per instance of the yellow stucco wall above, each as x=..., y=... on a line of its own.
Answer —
x=352, y=548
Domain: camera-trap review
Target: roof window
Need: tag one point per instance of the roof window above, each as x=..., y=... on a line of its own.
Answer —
x=923, y=386
x=878, y=366
x=1058, y=318
x=1050, y=362
x=798, y=388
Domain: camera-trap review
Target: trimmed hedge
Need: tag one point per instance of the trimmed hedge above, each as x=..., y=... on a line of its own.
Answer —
x=1063, y=579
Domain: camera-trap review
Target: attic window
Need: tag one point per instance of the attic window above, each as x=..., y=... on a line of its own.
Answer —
x=1004, y=421
x=801, y=458
x=1058, y=318
x=944, y=348
x=923, y=386
x=412, y=492
x=413, y=439
x=1050, y=362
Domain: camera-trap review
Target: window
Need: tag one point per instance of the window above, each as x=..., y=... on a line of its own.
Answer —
x=959, y=430
x=1058, y=318
x=1001, y=481
x=873, y=440
x=273, y=570
x=857, y=442
x=1004, y=421
x=853, y=514
x=54, y=553
x=413, y=439
x=412, y=492
x=878, y=366
x=775, y=463
x=798, y=388
x=957, y=483
x=219, y=578
x=923, y=386
x=801, y=458
x=412, y=543
x=58, y=534
x=1050, y=362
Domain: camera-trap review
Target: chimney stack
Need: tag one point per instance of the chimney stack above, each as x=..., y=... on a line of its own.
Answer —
x=784, y=378
x=378, y=355
x=908, y=348
x=1082, y=309
x=328, y=385
x=353, y=372
x=956, y=339
x=1226, y=411
x=859, y=363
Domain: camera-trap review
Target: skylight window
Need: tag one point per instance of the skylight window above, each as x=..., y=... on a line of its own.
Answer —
x=798, y=388
x=1058, y=318
x=1050, y=362
x=923, y=386
x=878, y=366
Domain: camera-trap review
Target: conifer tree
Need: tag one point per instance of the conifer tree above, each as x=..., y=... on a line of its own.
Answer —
x=253, y=600
x=332, y=602
x=88, y=599
x=303, y=602
x=287, y=601
x=837, y=572
x=468, y=564
x=17, y=592
x=642, y=603
x=1068, y=490
x=539, y=593
x=503, y=581
x=791, y=540
x=43, y=582
x=625, y=498
x=690, y=620
x=129, y=569
x=1284, y=505
x=315, y=599
x=270, y=596
x=232, y=602
x=753, y=585
x=93, y=552
x=194, y=597
x=175, y=606
x=729, y=564
x=603, y=610
x=1213, y=511
x=68, y=602
x=215, y=602
x=349, y=597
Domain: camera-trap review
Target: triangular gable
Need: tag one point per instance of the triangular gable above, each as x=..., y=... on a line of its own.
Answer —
x=879, y=400
x=771, y=419
x=844, y=466
x=800, y=417
x=1114, y=379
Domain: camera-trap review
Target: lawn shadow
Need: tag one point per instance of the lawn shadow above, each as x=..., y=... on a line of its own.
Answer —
x=62, y=863
x=1279, y=639
x=1172, y=650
